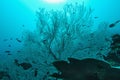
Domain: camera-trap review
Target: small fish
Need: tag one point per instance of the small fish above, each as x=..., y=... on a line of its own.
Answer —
x=9, y=45
x=7, y=51
x=23, y=25
x=11, y=39
x=114, y=24
x=35, y=72
x=16, y=62
x=25, y=65
x=96, y=17
x=9, y=54
x=5, y=40
x=18, y=51
x=18, y=40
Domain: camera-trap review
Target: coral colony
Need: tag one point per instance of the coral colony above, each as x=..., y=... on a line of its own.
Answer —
x=63, y=46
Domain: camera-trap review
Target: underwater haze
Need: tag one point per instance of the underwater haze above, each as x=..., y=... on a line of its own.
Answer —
x=36, y=33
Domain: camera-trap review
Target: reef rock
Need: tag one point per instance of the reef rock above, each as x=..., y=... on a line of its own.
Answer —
x=86, y=69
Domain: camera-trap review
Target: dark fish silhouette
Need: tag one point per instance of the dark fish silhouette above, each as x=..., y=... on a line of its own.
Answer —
x=7, y=51
x=24, y=65
x=36, y=72
x=9, y=54
x=86, y=69
x=18, y=51
x=96, y=17
x=5, y=40
x=23, y=25
x=114, y=24
x=9, y=45
x=18, y=40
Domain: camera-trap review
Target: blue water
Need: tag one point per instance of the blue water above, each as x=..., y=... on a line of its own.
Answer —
x=18, y=18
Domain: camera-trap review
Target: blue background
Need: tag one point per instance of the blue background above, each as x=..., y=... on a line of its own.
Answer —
x=16, y=16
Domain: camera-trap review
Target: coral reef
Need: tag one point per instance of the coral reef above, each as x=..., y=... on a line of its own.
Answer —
x=113, y=56
x=86, y=69
x=59, y=34
x=4, y=75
